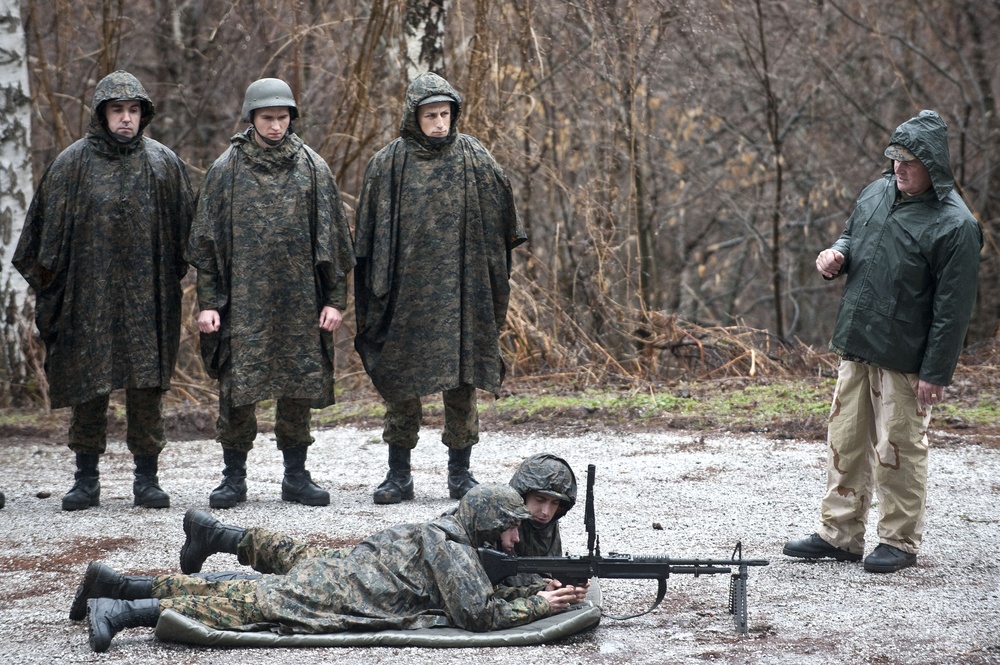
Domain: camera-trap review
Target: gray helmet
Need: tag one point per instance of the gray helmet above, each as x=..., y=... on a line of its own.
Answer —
x=268, y=92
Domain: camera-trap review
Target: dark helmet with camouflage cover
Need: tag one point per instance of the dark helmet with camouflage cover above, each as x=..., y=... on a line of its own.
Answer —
x=489, y=509
x=122, y=86
x=268, y=92
x=549, y=475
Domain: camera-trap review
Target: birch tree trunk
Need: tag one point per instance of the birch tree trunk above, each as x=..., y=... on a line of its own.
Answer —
x=423, y=35
x=16, y=188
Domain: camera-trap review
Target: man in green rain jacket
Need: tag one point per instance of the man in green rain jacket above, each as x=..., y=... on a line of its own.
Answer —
x=272, y=247
x=103, y=250
x=911, y=255
x=435, y=227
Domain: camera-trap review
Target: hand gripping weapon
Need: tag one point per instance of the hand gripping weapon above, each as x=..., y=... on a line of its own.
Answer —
x=576, y=570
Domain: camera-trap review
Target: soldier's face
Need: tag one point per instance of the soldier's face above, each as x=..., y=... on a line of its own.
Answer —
x=435, y=119
x=541, y=506
x=912, y=177
x=123, y=116
x=510, y=538
x=271, y=122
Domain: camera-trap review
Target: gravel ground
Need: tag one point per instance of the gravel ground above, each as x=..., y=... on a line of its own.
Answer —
x=678, y=494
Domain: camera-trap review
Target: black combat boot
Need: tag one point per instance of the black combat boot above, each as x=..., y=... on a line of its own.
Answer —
x=460, y=479
x=146, y=486
x=233, y=489
x=3, y=500
x=102, y=581
x=297, y=485
x=204, y=536
x=86, y=491
x=398, y=483
x=109, y=616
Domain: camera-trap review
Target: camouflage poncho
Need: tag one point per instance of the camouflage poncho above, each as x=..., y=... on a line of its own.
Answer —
x=408, y=576
x=436, y=223
x=102, y=248
x=272, y=247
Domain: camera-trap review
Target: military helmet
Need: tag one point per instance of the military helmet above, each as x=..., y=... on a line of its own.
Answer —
x=268, y=92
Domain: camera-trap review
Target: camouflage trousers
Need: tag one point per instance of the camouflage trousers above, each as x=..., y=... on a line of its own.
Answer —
x=227, y=605
x=877, y=440
x=237, y=425
x=274, y=553
x=222, y=605
x=88, y=428
x=461, y=420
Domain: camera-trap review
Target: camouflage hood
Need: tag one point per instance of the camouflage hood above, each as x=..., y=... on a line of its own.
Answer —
x=549, y=475
x=926, y=136
x=421, y=88
x=116, y=86
x=489, y=510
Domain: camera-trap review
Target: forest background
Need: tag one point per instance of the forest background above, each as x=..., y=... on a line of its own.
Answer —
x=677, y=164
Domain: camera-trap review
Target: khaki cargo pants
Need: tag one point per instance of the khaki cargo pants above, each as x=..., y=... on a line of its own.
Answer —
x=877, y=440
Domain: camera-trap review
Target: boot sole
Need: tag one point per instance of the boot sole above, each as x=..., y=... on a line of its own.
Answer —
x=319, y=501
x=188, y=570
x=225, y=503
x=158, y=503
x=81, y=506
x=815, y=556
x=387, y=498
x=78, y=610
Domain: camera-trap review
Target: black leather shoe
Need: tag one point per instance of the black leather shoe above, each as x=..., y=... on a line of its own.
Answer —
x=888, y=559
x=814, y=547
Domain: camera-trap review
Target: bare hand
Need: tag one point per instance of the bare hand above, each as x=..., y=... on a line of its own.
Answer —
x=209, y=321
x=929, y=394
x=330, y=318
x=580, y=591
x=829, y=262
x=559, y=599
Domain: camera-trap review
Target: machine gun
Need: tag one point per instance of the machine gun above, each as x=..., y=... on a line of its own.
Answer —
x=576, y=570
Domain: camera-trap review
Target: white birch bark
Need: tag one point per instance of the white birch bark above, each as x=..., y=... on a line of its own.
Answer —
x=423, y=35
x=16, y=188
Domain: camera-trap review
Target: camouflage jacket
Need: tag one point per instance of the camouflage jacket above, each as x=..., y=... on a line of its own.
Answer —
x=102, y=248
x=406, y=577
x=436, y=224
x=272, y=247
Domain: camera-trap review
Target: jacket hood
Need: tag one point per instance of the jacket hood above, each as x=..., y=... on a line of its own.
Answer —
x=120, y=85
x=421, y=88
x=549, y=475
x=926, y=136
x=488, y=510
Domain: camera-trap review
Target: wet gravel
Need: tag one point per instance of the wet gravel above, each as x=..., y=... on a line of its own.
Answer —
x=681, y=494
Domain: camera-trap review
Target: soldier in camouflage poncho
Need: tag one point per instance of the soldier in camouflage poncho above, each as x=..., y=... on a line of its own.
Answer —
x=102, y=248
x=272, y=247
x=548, y=486
x=406, y=577
x=435, y=227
